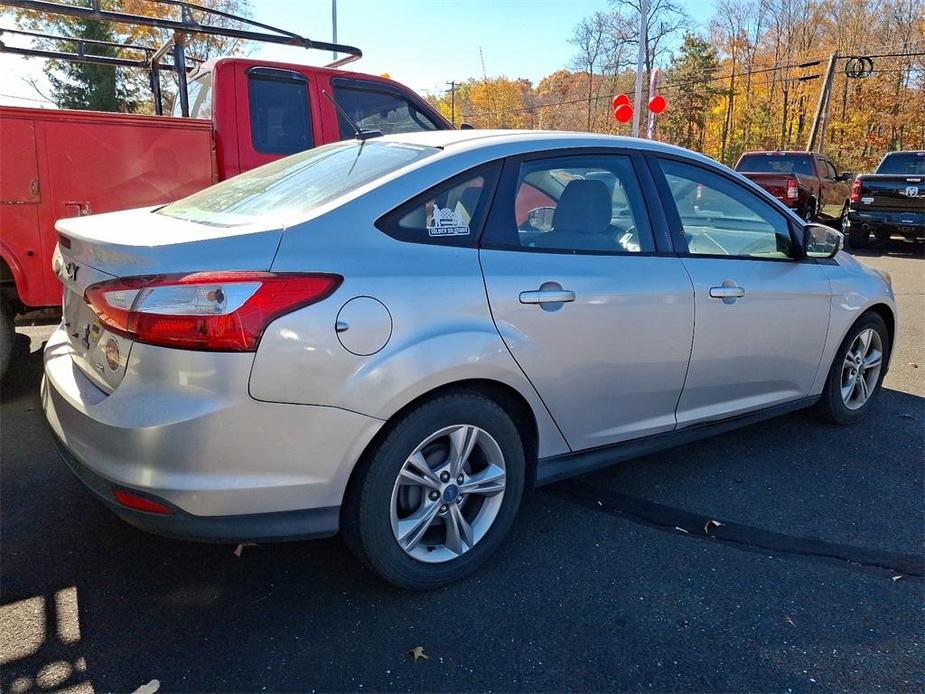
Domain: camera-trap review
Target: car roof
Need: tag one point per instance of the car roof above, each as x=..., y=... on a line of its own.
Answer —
x=537, y=140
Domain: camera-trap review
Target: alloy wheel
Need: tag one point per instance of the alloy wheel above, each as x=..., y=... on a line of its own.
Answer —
x=448, y=493
x=861, y=369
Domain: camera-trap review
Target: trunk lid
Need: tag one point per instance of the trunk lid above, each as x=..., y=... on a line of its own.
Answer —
x=139, y=243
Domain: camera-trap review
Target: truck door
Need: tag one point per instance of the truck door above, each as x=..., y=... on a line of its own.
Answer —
x=276, y=115
x=20, y=195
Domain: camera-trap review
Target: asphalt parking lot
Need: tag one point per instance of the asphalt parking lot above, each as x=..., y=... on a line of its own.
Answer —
x=608, y=582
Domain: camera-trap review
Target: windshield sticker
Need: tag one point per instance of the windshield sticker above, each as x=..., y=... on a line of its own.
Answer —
x=447, y=222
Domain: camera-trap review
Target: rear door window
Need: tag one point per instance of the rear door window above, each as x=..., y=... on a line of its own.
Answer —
x=375, y=107
x=575, y=204
x=279, y=111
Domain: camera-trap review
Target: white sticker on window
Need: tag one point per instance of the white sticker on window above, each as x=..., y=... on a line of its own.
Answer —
x=447, y=222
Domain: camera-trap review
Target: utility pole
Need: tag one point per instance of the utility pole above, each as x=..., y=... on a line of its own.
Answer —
x=640, y=64
x=334, y=24
x=452, y=102
x=817, y=132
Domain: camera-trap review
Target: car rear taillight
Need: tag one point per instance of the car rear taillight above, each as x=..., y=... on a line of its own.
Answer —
x=856, y=191
x=211, y=311
x=793, y=189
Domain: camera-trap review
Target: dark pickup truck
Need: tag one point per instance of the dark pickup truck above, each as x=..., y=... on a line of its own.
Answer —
x=889, y=201
x=806, y=182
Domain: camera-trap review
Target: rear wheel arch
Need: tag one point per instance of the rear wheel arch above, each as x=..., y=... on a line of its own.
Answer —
x=11, y=276
x=504, y=395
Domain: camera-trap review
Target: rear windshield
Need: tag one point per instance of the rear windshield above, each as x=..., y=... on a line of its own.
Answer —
x=776, y=163
x=295, y=185
x=900, y=163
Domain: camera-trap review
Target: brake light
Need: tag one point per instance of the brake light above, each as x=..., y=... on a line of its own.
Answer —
x=211, y=311
x=793, y=189
x=856, y=190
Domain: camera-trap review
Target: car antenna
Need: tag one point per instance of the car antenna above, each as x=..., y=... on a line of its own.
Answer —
x=360, y=133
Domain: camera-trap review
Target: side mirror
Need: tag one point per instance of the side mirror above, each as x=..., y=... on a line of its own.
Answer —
x=466, y=126
x=820, y=241
x=847, y=175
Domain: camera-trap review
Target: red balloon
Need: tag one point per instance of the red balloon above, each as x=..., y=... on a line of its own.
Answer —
x=619, y=99
x=657, y=103
x=623, y=113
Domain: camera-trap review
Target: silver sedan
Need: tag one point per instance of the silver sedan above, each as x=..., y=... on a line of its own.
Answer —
x=394, y=338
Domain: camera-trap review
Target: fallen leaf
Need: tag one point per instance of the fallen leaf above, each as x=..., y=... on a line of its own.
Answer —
x=896, y=578
x=418, y=653
x=148, y=688
x=711, y=525
x=682, y=530
x=239, y=550
x=789, y=621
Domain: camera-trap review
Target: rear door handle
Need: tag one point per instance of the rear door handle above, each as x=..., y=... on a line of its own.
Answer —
x=547, y=296
x=727, y=292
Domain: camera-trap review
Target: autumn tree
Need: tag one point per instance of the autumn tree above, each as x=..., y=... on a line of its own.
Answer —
x=690, y=79
x=108, y=88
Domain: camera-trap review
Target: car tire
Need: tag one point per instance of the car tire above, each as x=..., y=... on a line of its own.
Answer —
x=381, y=504
x=809, y=214
x=834, y=405
x=858, y=238
x=7, y=338
x=843, y=224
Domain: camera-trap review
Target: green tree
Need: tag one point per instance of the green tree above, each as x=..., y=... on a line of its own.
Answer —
x=690, y=81
x=84, y=85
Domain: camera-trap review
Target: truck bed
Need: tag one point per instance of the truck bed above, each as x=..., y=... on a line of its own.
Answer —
x=60, y=163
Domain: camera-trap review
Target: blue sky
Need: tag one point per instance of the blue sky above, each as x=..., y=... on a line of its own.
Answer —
x=422, y=43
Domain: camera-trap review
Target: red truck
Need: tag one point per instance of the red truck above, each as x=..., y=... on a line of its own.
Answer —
x=807, y=182
x=243, y=113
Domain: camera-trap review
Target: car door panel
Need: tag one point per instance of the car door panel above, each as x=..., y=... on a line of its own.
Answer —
x=597, y=319
x=761, y=315
x=761, y=349
x=610, y=364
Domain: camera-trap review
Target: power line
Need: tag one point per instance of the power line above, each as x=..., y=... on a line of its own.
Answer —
x=671, y=85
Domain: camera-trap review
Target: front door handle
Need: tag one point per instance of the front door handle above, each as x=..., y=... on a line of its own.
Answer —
x=727, y=292
x=547, y=296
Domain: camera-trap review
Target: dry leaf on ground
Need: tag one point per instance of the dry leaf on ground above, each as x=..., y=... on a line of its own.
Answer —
x=418, y=653
x=148, y=688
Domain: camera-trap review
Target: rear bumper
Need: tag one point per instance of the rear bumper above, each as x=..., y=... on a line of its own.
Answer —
x=228, y=466
x=908, y=224
x=251, y=527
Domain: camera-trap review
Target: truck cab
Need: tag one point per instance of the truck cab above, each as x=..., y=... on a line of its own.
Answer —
x=262, y=110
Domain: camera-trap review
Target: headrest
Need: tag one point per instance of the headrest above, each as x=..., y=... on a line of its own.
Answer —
x=585, y=207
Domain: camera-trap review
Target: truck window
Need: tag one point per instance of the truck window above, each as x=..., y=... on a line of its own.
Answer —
x=199, y=90
x=776, y=163
x=280, y=117
x=903, y=163
x=378, y=109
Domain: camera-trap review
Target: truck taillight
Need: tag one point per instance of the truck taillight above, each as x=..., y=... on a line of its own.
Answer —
x=211, y=311
x=856, y=190
x=793, y=189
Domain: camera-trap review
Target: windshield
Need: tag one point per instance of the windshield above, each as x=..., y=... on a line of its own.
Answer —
x=295, y=185
x=776, y=163
x=199, y=90
x=903, y=163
